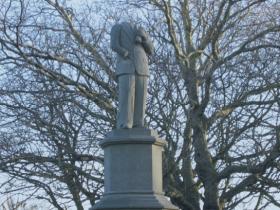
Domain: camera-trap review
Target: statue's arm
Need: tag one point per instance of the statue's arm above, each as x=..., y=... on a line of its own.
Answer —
x=148, y=46
x=146, y=41
x=115, y=41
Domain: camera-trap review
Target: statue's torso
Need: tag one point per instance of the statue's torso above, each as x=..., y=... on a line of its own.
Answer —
x=137, y=62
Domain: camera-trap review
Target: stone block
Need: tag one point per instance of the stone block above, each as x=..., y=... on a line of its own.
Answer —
x=133, y=171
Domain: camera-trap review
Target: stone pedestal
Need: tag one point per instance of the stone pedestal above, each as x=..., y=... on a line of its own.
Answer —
x=133, y=171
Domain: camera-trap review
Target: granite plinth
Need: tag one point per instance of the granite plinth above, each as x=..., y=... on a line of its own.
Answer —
x=133, y=171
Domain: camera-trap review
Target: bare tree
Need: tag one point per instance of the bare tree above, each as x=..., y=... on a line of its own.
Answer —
x=225, y=52
x=10, y=204
x=213, y=94
x=51, y=123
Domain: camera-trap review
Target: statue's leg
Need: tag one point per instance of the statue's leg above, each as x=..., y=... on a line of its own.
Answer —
x=126, y=84
x=140, y=100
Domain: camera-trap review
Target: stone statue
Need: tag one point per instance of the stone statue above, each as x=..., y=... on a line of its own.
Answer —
x=132, y=45
x=126, y=186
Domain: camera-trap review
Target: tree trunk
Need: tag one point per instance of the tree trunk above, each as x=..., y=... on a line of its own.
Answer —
x=191, y=191
x=204, y=165
x=191, y=194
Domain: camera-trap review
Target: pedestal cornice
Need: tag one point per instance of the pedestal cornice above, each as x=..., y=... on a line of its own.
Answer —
x=132, y=136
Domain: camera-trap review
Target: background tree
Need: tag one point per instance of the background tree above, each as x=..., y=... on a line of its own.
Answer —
x=213, y=94
x=10, y=204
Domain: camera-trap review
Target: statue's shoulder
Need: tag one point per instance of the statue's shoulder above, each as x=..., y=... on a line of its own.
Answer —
x=115, y=28
x=117, y=25
x=128, y=25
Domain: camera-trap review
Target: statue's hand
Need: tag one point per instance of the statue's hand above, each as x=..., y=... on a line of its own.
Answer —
x=138, y=39
x=126, y=55
x=142, y=33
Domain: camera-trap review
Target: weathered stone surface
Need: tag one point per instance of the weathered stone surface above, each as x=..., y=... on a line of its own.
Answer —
x=133, y=171
x=132, y=45
x=135, y=201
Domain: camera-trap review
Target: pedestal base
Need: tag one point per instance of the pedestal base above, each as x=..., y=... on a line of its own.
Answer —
x=133, y=171
x=135, y=201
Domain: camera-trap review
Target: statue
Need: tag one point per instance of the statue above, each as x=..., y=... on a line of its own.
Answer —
x=126, y=186
x=132, y=45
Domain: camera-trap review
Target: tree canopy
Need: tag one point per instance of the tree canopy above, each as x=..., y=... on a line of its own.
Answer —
x=214, y=95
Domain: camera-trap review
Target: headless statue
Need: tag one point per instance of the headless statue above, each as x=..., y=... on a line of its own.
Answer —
x=132, y=45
